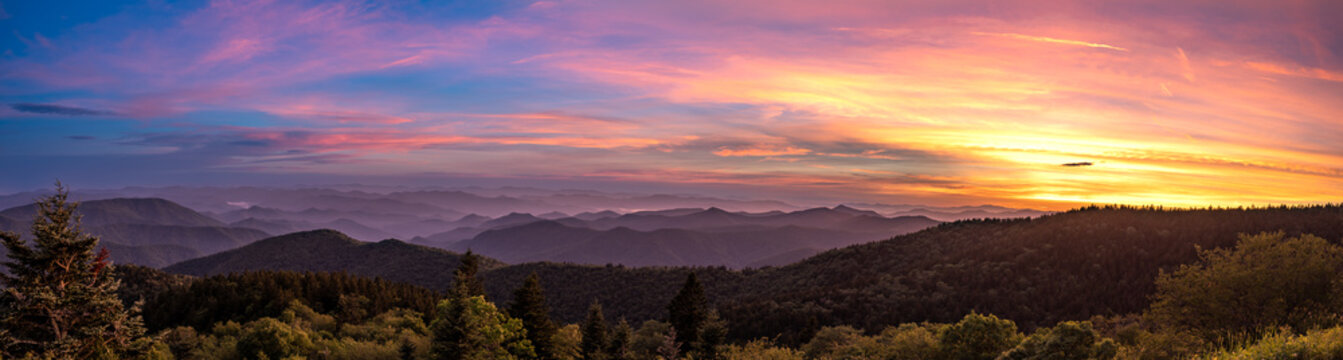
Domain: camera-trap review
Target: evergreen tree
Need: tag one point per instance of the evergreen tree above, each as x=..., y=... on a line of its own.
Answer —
x=621, y=337
x=712, y=335
x=465, y=281
x=472, y=328
x=60, y=299
x=595, y=342
x=529, y=305
x=688, y=311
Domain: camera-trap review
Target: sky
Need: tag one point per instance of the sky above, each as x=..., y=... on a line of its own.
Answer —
x=1044, y=104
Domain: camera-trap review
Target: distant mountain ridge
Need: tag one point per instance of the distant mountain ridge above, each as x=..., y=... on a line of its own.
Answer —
x=145, y=231
x=710, y=237
x=147, y=211
x=332, y=251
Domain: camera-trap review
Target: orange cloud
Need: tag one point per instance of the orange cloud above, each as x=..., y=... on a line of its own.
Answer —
x=1052, y=40
x=762, y=151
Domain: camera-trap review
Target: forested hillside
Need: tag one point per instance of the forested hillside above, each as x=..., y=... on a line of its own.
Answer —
x=1068, y=266
x=328, y=250
x=1161, y=283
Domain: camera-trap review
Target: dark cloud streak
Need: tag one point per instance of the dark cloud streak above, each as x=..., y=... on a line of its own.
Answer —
x=53, y=109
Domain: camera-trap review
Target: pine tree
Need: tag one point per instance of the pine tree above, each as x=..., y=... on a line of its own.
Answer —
x=529, y=305
x=465, y=282
x=712, y=335
x=60, y=299
x=688, y=311
x=595, y=343
x=621, y=336
x=472, y=328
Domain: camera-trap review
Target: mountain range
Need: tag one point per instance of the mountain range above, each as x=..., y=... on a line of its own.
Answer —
x=145, y=231
x=157, y=232
x=1034, y=271
x=331, y=251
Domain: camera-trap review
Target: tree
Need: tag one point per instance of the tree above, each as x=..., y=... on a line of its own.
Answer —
x=270, y=338
x=595, y=341
x=621, y=337
x=979, y=337
x=60, y=299
x=465, y=281
x=1069, y=340
x=529, y=305
x=472, y=328
x=688, y=311
x=568, y=343
x=712, y=335
x=1264, y=282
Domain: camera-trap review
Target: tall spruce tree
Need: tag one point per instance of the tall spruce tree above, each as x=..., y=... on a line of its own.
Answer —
x=465, y=281
x=688, y=311
x=595, y=342
x=468, y=327
x=529, y=305
x=621, y=336
x=60, y=299
x=473, y=329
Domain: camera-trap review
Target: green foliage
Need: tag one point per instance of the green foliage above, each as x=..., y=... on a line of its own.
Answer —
x=596, y=344
x=651, y=339
x=978, y=337
x=472, y=328
x=621, y=337
x=1319, y=344
x=301, y=332
x=465, y=282
x=568, y=343
x=688, y=311
x=712, y=336
x=250, y=296
x=908, y=342
x=59, y=299
x=529, y=305
x=1038, y=272
x=1266, y=281
x=836, y=342
x=760, y=349
x=271, y=339
x=1068, y=340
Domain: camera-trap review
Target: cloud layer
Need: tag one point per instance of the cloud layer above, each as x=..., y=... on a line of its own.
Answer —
x=1186, y=103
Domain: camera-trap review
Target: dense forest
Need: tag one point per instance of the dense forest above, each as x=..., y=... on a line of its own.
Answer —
x=1093, y=283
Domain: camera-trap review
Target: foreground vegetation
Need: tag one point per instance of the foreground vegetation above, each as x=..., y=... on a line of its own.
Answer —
x=1275, y=295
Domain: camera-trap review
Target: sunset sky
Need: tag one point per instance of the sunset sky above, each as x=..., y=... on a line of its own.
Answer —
x=1043, y=104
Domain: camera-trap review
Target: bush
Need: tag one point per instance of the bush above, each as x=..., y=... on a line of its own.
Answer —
x=1266, y=281
x=759, y=349
x=978, y=337
x=1068, y=340
x=1320, y=344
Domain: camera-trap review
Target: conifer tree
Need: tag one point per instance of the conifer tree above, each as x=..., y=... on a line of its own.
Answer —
x=688, y=311
x=529, y=305
x=621, y=336
x=465, y=282
x=473, y=329
x=60, y=299
x=712, y=335
x=595, y=343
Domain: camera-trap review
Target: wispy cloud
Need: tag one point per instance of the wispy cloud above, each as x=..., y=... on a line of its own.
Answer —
x=959, y=103
x=1053, y=40
x=54, y=109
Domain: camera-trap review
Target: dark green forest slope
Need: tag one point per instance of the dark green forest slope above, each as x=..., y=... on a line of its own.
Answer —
x=1067, y=266
x=329, y=250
